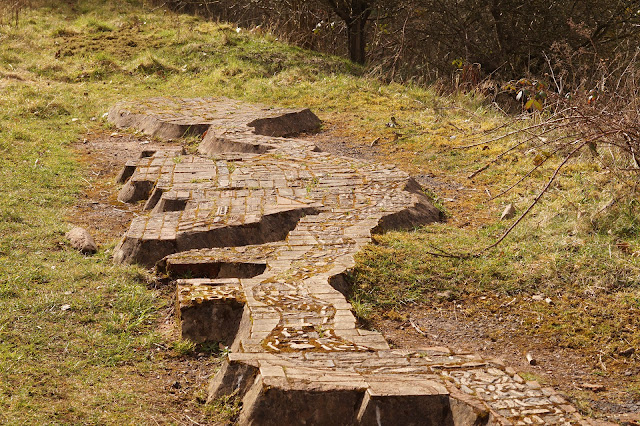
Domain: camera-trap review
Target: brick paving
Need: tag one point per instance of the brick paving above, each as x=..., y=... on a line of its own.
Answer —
x=262, y=228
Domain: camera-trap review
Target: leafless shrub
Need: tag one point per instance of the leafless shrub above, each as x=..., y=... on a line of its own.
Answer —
x=426, y=40
x=603, y=123
x=10, y=11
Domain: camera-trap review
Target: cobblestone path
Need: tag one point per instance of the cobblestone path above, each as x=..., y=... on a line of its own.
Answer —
x=265, y=227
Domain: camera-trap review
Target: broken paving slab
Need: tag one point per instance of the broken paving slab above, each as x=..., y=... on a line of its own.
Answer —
x=262, y=229
x=172, y=117
x=224, y=262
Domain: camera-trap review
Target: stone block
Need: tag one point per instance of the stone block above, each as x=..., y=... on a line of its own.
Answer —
x=273, y=401
x=208, y=313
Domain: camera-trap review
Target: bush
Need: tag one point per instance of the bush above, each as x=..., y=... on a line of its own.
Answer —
x=424, y=40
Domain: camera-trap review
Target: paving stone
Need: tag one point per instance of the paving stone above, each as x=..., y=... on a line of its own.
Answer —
x=263, y=228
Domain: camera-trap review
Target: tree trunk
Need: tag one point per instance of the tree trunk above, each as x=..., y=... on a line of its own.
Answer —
x=357, y=39
x=505, y=44
x=355, y=14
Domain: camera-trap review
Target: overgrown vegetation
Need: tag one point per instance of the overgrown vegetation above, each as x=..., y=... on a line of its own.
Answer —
x=425, y=40
x=79, y=337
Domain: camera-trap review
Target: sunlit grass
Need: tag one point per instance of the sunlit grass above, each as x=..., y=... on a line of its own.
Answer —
x=65, y=65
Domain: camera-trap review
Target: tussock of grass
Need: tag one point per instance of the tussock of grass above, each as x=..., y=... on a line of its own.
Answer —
x=149, y=64
x=95, y=25
x=64, y=32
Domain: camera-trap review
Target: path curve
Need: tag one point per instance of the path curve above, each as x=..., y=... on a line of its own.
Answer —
x=265, y=227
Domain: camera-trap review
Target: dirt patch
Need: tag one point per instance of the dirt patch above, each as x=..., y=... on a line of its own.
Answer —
x=98, y=210
x=332, y=140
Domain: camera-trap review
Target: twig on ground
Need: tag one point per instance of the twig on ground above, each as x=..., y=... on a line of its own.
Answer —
x=193, y=421
x=417, y=328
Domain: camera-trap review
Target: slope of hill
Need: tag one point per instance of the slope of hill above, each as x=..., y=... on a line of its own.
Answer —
x=85, y=341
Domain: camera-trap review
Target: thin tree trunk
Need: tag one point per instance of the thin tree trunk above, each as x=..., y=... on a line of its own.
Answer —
x=355, y=14
x=357, y=39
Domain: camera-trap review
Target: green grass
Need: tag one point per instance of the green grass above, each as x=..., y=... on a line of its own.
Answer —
x=65, y=65
x=61, y=69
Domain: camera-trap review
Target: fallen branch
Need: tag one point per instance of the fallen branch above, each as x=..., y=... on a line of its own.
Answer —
x=538, y=197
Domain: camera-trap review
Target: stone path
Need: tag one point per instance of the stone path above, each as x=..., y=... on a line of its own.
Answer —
x=262, y=229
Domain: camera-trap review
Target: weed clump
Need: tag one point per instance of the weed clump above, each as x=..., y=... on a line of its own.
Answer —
x=148, y=64
x=64, y=32
x=99, y=26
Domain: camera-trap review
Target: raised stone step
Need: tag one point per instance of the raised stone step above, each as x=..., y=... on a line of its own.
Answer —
x=210, y=311
x=171, y=118
x=430, y=386
x=224, y=262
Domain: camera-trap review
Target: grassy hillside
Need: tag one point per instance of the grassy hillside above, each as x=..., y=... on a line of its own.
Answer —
x=104, y=359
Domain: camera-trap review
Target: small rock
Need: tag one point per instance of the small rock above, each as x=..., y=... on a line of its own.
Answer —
x=531, y=360
x=533, y=384
x=65, y=307
x=548, y=301
x=81, y=240
x=627, y=352
x=446, y=295
x=508, y=213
